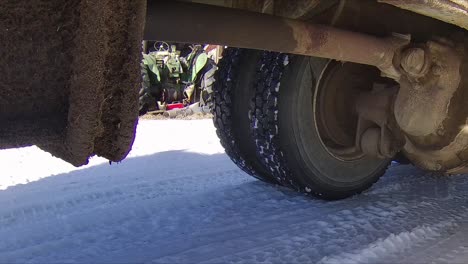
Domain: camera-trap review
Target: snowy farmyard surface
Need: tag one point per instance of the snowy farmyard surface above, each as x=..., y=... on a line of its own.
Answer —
x=179, y=199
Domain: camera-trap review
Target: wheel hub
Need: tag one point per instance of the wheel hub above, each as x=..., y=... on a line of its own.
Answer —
x=336, y=95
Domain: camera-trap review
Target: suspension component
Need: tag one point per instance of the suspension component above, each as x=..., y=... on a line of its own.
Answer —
x=377, y=134
x=245, y=29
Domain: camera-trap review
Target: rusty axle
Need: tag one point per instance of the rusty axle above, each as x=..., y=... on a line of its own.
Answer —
x=198, y=23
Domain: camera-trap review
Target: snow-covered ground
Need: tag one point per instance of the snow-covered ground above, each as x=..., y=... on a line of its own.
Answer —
x=179, y=199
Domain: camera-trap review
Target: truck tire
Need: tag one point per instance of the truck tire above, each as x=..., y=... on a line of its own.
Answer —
x=233, y=92
x=288, y=126
x=206, y=82
x=146, y=101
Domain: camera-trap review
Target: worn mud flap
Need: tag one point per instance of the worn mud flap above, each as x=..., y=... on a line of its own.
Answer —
x=86, y=55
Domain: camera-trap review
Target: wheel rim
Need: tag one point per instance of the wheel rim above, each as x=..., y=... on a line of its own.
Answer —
x=336, y=92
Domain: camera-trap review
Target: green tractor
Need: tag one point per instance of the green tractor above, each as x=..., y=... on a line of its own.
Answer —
x=175, y=75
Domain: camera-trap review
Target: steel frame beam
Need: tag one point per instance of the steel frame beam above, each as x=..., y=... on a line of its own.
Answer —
x=198, y=23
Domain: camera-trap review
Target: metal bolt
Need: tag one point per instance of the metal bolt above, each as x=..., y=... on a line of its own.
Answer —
x=437, y=70
x=413, y=60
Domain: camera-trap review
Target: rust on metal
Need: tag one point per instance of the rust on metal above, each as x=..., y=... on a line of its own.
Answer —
x=422, y=102
x=415, y=61
x=343, y=45
x=377, y=133
x=450, y=11
x=451, y=158
x=431, y=110
x=238, y=28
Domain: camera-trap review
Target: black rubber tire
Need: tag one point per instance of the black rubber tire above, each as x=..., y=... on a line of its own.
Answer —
x=287, y=138
x=401, y=158
x=146, y=100
x=207, y=80
x=233, y=92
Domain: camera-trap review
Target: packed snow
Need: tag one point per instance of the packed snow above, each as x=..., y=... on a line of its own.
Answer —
x=178, y=198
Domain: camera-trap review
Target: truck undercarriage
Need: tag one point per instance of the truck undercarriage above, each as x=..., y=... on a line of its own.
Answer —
x=316, y=95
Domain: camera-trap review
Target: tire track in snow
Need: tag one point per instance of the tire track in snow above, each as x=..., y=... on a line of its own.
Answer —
x=215, y=213
x=259, y=194
x=326, y=234
x=108, y=193
x=411, y=215
x=450, y=249
x=392, y=245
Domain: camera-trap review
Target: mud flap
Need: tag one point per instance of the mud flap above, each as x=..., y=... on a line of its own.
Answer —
x=80, y=65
